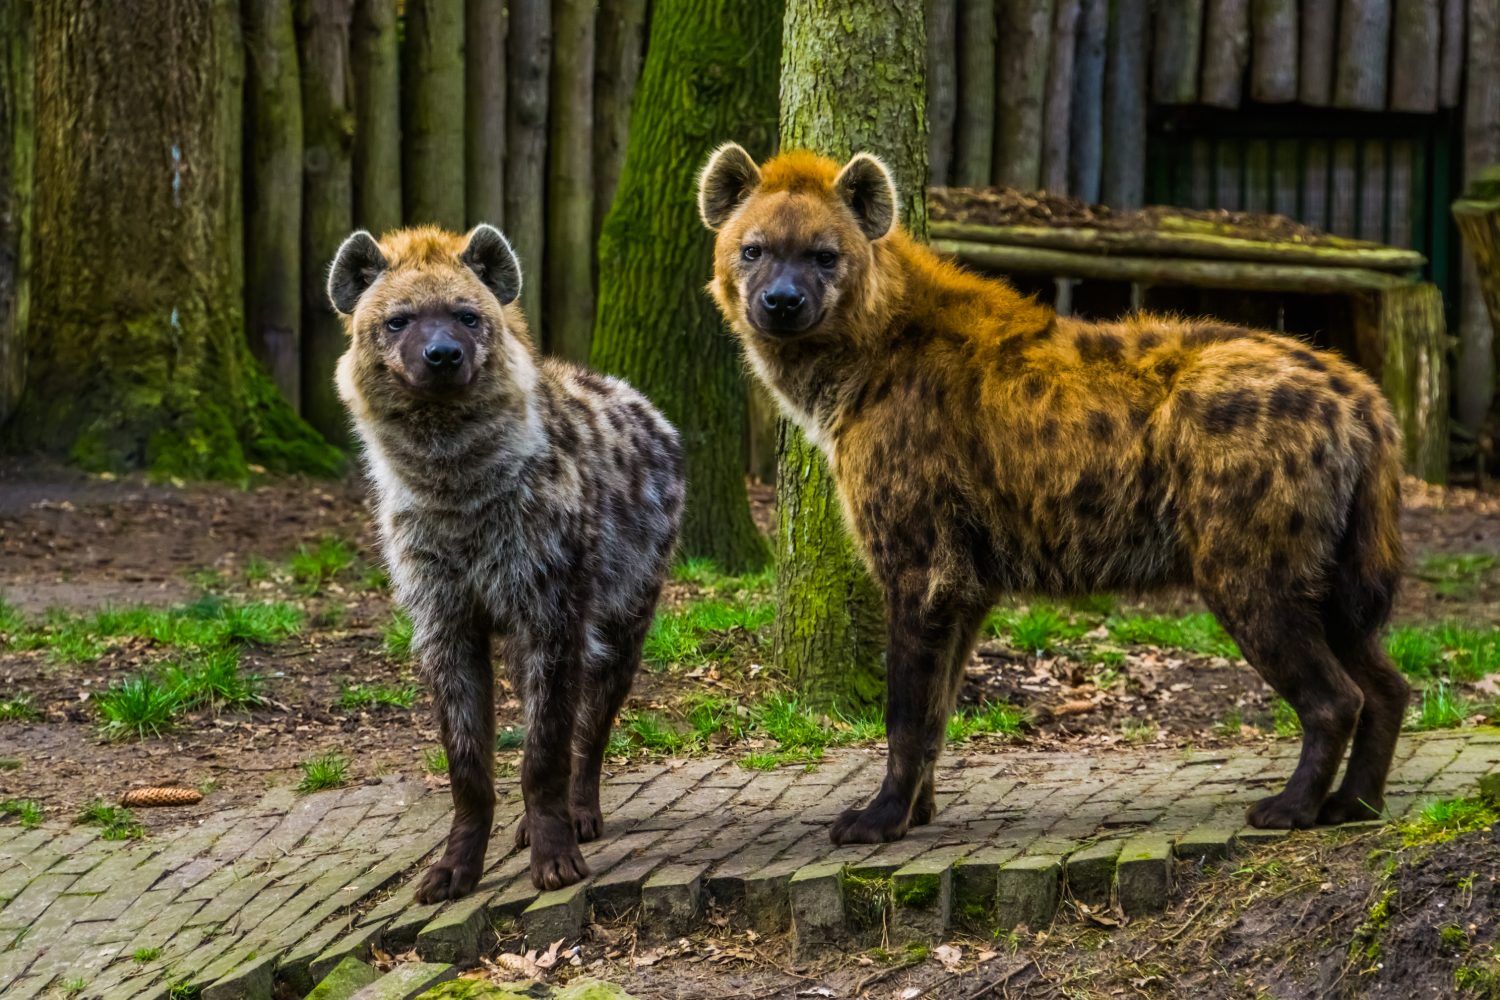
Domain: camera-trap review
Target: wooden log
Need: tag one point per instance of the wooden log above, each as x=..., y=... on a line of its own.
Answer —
x=1086, y=132
x=1402, y=338
x=1123, y=182
x=1226, y=52
x=1364, y=55
x=974, y=139
x=1343, y=183
x=1152, y=271
x=1416, y=41
x=1372, y=180
x=528, y=62
x=570, y=183
x=374, y=54
x=942, y=95
x=1451, y=56
x=1022, y=44
x=1478, y=216
x=1057, y=116
x=17, y=160
x=1315, y=163
x=273, y=194
x=484, y=111
x=617, y=68
x=1317, y=52
x=1167, y=240
x=432, y=118
x=1399, y=199
x=1474, y=382
x=1179, y=30
x=1273, y=73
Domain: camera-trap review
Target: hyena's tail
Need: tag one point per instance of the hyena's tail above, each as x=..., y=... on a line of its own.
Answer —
x=1371, y=556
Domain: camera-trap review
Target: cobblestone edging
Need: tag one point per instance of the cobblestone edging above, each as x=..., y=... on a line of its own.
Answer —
x=284, y=890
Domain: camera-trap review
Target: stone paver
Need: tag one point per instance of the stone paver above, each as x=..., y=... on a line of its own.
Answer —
x=286, y=889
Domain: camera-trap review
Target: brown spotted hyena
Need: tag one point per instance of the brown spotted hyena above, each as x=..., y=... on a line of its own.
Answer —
x=518, y=496
x=983, y=445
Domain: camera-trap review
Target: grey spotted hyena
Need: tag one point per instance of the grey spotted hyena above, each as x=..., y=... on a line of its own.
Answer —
x=517, y=496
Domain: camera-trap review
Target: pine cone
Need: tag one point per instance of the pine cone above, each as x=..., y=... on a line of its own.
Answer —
x=161, y=797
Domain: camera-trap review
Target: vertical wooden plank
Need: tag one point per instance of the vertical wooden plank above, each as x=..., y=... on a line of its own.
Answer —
x=1179, y=31
x=1057, y=116
x=1398, y=193
x=1226, y=52
x=570, y=182
x=1022, y=45
x=1273, y=72
x=1475, y=379
x=1451, y=55
x=1364, y=54
x=1317, y=54
x=528, y=63
x=1343, y=170
x=1286, y=178
x=484, y=111
x=1416, y=40
x=974, y=141
x=621, y=46
x=942, y=88
x=1124, y=174
x=432, y=114
x=1372, y=191
x=1229, y=175
x=374, y=51
x=1086, y=132
x=1202, y=183
x=1314, y=210
x=1258, y=176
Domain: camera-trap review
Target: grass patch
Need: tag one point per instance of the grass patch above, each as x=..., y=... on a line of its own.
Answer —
x=1138, y=731
x=770, y=760
x=146, y=954
x=397, y=635
x=1440, y=708
x=208, y=623
x=1448, y=650
x=435, y=760
x=1461, y=575
x=994, y=718
x=213, y=680
x=1196, y=633
x=138, y=706
x=114, y=822
x=650, y=731
x=146, y=705
x=357, y=697
x=1284, y=719
x=1445, y=819
x=510, y=738
x=26, y=811
x=712, y=715
x=18, y=709
x=704, y=630
x=316, y=567
x=9, y=764
x=329, y=770
x=1038, y=629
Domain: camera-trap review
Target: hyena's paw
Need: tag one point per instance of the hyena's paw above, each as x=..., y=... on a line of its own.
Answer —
x=1342, y=808
x=588, y=822
x=882, y=820
x=925, y=808
x=448, y=879
x=1282, y=812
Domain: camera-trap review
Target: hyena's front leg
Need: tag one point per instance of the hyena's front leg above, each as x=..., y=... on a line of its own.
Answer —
x=457, y=664
x=607, y=679
x=551, y=676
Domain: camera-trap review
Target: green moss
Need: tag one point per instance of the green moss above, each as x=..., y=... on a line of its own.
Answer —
x=866, y=899
x=917, y=891
x=479, y=989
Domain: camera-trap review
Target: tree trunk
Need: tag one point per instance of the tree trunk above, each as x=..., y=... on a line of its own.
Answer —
x=528, y=61
x=484, y=111
x=974, y=138
x=1416, y=39
x=828, y=633
x=1124, y=176
x=570, y=182
x=1273, y=73
x=1364, y=54
x=327, y=200
x=1058, y=115
x=1023, y=42
x=942, y=87
x=137, y=346
x=375, y=54
x=656, y=328
x=17, y=128
x=1179, y=27
x=1317, y=53
x=1085, y=144
x=1226, y=52
x=1474, y=372
x=617, y=67
x=273, y=194
x=432, y=117
x=1451, y=56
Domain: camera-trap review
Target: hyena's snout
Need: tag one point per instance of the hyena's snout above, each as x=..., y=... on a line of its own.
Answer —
x=438, y=353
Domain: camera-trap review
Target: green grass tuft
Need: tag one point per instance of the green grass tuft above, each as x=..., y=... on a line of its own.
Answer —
x=1445, y=819
x=1138, y=731
x=9, y=764
x=18, y=709
x=1196, y=633
x=704, y=630
x=357, y=697
x=26, y=811
x=770, y=760
x=146, y=954
x=992, y=718
x=314, y=568
x=1458, y=575
x=510, y=738
x=1440, y=708
x=329, y=770
x=114, y=822
x=213, y=680
x=435, y=760
x=650, y=731
x=1284, y=719
x=138, y=706
x=397, y=636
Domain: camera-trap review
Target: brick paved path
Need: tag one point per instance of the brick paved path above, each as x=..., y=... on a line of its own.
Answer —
x=285, y=889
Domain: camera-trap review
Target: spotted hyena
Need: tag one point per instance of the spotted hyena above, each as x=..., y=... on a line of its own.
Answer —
x=517, y=496
x=984, y=445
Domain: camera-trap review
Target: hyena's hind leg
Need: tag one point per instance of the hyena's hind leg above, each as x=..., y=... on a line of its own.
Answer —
x=1361, y=795
x=607, y=676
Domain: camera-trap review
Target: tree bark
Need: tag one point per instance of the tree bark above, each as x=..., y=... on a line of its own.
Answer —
x=1226, y=52
x=1474, y=381
x=1416, y=40
x=974, y=140
x=1179, y=29
x=1023, y=42
x=1404, y=327
x=484, y=112
x=656, y=328
x=1273, y=73
x=1364, y=54
x=1057, y=117
x=137, y=346
x=432, y=119
x=1124, y=173
x=528, y=61
x=1317, y=53
x=273, y=194
x=570, y=182
x=1451, y=56
x=17, y=128
x=942, y=87
x=827, y=632
x=617, y=68
x=1085, y=145
x=375, y=55
x=327, y=200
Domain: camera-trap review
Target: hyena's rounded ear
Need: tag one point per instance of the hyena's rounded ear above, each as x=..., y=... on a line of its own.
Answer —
x=489, y=256
x=868, y=189
x=355, y=267
x=727, y=180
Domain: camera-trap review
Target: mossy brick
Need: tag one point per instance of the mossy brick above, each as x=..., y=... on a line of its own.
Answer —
x=1207, y=843
x=1251, y=836
x=556, y=915
x=1090, y=873
x=454, y=934
x=1489, y=787
x=401, y=931
x=246, y=978
x=344, y=980
x=975, y=883
x=922, y=897
x=1026, y=891
x=767, y=901
x=816, y=894
x=298, y=946
x=358, y=943
x=671, y=898
x=1143, y=874
x=407, y=981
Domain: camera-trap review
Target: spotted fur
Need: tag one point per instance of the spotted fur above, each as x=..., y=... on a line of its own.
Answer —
x=538, y=502
x=983, y=445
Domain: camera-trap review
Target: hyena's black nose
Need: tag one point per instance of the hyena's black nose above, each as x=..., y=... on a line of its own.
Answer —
x=443, y=354
x=782, y=299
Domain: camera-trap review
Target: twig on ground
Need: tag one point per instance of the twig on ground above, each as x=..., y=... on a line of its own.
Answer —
x=1003, y=982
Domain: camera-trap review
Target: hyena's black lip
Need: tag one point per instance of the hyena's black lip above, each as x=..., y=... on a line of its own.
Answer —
x=784, y=330
x=438, y=389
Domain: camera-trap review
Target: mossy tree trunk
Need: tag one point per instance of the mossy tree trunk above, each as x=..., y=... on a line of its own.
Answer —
x=570, y=182
x=484, y=110
x=273, y=194
x=656, y=327
x=137, y=345
x=432, y=115
x=17, y=131
x=617, y=68
x=828, y=632
x=528, y=61
x=375, y=58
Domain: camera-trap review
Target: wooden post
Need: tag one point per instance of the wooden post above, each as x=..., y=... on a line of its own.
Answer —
x=1179, y=28
x=1022, y=44
x=1344, y=182
x=1258, y=175
x=1058, y=113
x=374, y=52
x=1286, y=178
x=1315, y=184
x=1226, y=52
x=1317, y=54
x=1372, y=196
x=528, y=61
x=1474, y=384
x=1124, y=174
x=484, y=111
x=1478, y=216
x=432, y=115
x=617, y=67
x=1451, y=55
x=1403, y=340
x=1364, y=54
x=1273, y=76
x=1086, y=131
x=17, y=158
x=1416, y=40
x=570, y=183
x=942, y=95
x=1399, y=186
x=974, y=140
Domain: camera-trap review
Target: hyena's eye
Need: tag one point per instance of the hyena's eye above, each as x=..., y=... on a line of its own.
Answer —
x=468, y=319
x=750, y=252
x=826, y=258
x=396, y=323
